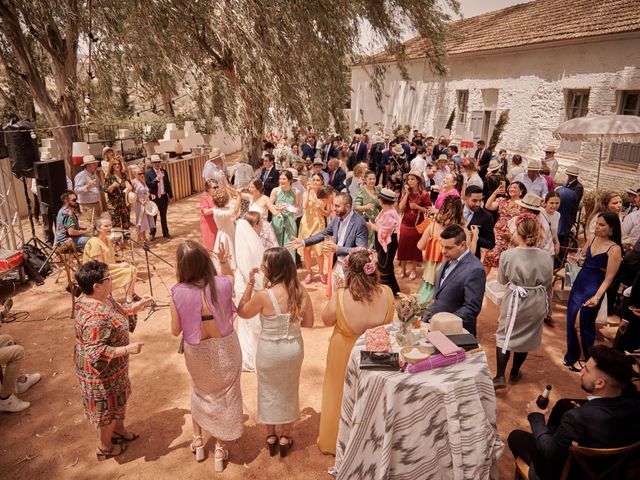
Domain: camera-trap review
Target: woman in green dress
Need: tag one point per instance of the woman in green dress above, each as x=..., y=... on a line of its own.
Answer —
x=366, y=202
x=287, y=201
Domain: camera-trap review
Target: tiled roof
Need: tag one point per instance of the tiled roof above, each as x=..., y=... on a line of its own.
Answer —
x=532, y=23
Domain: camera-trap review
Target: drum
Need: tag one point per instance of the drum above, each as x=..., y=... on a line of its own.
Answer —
x=150, y=208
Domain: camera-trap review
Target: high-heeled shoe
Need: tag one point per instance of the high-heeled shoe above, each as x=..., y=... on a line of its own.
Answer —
x=218, y=464
x=197, y=451
x=284, y=448
x=273, y=447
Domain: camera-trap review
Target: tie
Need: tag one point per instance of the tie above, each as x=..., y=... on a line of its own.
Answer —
x=444, y=271
x=467, y=215
x=265, y=172
x=331, y=181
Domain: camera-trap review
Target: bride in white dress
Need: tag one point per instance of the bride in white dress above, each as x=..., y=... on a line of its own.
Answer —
x=263, y=205
x=249, y=254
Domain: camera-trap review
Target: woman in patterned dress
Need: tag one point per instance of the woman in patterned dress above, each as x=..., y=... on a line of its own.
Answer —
x=115, y=184
x=507, y=209
x=101, y=357
x=287, y=202
x=313, y=221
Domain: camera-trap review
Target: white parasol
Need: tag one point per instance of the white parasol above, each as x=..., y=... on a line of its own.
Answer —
x=600, y=128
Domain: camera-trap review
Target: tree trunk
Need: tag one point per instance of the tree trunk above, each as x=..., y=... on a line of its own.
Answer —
x=167, y=104
x=252, y=148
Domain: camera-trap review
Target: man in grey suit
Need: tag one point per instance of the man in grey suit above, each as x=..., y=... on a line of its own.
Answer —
x=346, y=231
x=460, y=281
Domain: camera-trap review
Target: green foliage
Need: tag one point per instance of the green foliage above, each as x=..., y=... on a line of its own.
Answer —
x=452, y=117
x=498, y=129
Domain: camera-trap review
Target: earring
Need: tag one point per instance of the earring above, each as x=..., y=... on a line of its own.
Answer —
x=610, y=233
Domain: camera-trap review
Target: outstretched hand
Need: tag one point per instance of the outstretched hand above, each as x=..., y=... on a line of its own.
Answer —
x=295, y=242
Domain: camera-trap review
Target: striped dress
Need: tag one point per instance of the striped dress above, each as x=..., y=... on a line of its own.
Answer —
x=104, y=380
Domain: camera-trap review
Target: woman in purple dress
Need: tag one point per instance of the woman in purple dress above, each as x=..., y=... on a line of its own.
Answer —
x=202, y=311
x=144, y=222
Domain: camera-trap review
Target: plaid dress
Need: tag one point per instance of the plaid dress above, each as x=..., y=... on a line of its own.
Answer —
x=104, y=380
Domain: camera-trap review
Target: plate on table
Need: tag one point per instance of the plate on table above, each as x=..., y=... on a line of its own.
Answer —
x=416, y=353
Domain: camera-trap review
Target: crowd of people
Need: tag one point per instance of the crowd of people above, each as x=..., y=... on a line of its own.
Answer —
x=353, y=216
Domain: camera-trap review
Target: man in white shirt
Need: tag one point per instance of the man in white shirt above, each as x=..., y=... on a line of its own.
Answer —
x=87, y=188
x=534, y=182
x=419, y=163
x=214, y=168
x=631, y=225
x=442, y=171
x=242, y=173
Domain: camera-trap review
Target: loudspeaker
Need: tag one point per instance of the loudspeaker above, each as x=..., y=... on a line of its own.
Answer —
x=51, y=179
x=4, y=151
x=22, y=149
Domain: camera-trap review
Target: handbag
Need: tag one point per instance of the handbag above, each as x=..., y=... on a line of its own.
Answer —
x=379, y=360
x=422, y=226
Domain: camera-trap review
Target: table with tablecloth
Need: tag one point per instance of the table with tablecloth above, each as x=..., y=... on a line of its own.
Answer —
x=437, y=424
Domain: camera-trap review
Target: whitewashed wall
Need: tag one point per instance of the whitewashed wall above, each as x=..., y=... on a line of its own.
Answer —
x=532, y=85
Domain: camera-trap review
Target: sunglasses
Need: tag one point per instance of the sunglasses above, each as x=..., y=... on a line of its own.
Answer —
x=104, y=279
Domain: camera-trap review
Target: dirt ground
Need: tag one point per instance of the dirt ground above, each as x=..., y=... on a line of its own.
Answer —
x=52, y=439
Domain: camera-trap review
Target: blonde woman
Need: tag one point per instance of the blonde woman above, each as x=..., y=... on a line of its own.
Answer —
x=313, y=221
x=144, y=221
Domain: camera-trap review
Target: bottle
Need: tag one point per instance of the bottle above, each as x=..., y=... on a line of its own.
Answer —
x=543, y=400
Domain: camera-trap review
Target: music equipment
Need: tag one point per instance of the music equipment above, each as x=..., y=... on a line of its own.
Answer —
x=51, y=179
x=22, y=149
x=4, y=151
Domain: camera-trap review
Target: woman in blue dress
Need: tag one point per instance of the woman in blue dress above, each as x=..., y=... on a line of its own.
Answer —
x=601, y=262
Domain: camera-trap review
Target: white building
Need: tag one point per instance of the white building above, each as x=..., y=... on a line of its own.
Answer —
x=545, y=61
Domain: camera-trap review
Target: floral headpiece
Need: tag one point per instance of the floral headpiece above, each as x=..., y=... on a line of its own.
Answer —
x=370, y=266
x=524, y=215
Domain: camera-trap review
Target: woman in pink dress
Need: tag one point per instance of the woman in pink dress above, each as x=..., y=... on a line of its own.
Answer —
x=448, y=188
x=507, y=209
x=208, y=228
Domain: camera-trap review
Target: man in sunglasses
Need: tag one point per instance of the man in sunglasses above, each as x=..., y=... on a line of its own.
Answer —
x=67, y=223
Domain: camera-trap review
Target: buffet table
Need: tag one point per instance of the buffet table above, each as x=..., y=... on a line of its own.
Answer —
x=433, y=424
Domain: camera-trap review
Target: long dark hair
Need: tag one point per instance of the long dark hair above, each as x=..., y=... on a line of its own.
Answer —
x=194, y=267
x=279, y=267
x=613, y=221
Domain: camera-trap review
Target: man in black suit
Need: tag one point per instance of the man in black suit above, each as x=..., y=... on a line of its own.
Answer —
x=337, y=176
x=461, y=280
x=573, y=183
x=607, y=419
x=358, y=147
x=482, y=157
x=157, y=179
x=330, y=149
x=268, y=174
x=477, y=217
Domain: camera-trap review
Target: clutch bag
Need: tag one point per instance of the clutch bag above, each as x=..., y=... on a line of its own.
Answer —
x=464, y=340
x=379, y=360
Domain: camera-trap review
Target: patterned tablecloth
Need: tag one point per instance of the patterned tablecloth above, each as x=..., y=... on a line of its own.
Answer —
x=438, y=424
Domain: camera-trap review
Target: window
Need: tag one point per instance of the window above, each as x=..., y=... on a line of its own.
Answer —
x=629, y=102
x=577, y=103
x=462, y=100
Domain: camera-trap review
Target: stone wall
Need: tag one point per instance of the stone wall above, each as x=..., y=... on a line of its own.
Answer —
x=532, y=83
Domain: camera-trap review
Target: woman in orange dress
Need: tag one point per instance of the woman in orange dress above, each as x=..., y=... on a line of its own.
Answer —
x=369, y=304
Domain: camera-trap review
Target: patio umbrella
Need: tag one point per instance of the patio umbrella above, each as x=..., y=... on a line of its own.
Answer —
x=600, y=128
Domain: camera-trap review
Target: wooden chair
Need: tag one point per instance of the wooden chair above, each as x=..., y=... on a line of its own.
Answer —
x=69, y=258
x=617, y=459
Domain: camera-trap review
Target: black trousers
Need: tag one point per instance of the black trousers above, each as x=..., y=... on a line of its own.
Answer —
x=385, y=263
x=523, y=445
x=162, y=203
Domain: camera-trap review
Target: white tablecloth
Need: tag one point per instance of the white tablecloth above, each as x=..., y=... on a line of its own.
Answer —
x=438, y=424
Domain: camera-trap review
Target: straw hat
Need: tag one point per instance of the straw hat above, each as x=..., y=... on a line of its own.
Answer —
x=550, y=148
x=387, y=195
x=150, y=208
x=215, y=153
x=378, y=137
x=417, y=174
x=442, y=156
x=106, y=149
x=87, y=159
x=318, y=161
x=494, y=165
x=398, y=150
x=401, y=133
x=131, y=198
x=573, y=171
x=447, y=323
x=534, y=165
x=155, y=158
x=634, y=190
x=531, y=201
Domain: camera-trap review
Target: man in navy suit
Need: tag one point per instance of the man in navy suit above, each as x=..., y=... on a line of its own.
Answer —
x=608, y=418
x=482, y=157
x=359, y=147
x=348, y=230
x=337, y=176
x=460, y=281
x=269, y=175
x=157, y=179
x=478, y=217
x=309, y=148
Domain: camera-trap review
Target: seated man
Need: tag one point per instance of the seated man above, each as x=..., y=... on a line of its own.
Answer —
x=67, y=224
x=608, y=418
x=11, y=356
x=460, y=282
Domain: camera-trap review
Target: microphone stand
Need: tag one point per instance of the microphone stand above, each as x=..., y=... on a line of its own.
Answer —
x=154, y=306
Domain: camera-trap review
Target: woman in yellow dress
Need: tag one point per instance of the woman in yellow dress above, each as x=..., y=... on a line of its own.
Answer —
x=313, y=221
x=100, y=248
x=370, y=304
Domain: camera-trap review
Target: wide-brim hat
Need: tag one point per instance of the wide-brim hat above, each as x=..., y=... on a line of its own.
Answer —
x=387, y=195
x=155, y=158
x=398, y=150
x=633, y=191
x=572, y=170
x=447, y=323
x=442, y=156
x=531, y=201
x=550, y=148
x=106, y=149
x=318, y=161
x=215, y=153
x=150, y=208
x=378, y=137
x=401, y=133
x=88, y=159
x=494, y=165
x=534, y=165
x=417, y=174
x=131, y=198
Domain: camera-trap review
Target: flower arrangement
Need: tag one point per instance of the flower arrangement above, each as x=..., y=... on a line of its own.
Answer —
x=410, y=312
